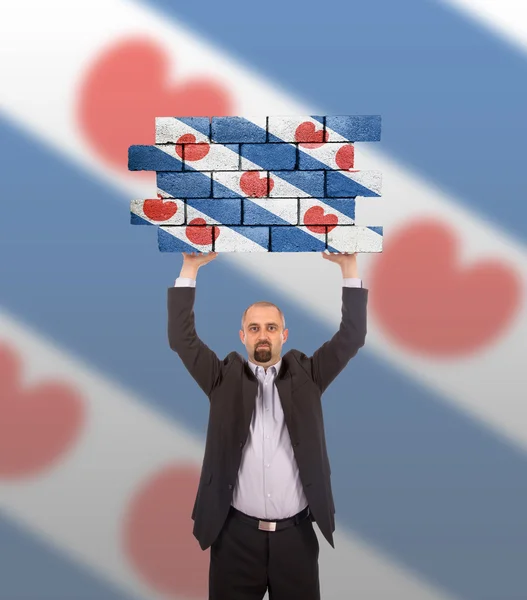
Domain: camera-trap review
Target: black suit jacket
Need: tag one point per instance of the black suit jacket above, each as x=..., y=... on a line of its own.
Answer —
x=232, y=387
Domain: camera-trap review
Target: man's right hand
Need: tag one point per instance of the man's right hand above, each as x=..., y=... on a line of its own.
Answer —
x=198, y=258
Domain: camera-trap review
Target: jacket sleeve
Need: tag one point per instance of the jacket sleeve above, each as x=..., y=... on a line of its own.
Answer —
x=331, y=358
x=201, y=362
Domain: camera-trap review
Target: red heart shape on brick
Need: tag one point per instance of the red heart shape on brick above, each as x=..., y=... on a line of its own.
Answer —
x=38, y=423
x=254, y=184
x=314, y=216
x=159, y=210
x=424, y=300
x=158, y=538
x=345, y=157
x=308, y=136
x=127, y=87
x=201, y=235
x=193, y=150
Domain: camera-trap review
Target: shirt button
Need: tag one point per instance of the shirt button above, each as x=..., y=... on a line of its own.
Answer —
x=267, y=466
x=230, y=486
x=268, y=495
x=268, y=438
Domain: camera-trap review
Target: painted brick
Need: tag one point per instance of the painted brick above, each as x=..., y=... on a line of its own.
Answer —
x=185, y=185
x=297, y=239
x=296, y=129
x=229, y=184
x=185, y=238
x=283, y=211
x=225, y=211
x=157, y=211
x=296, y=184
x=268, y=156
x=355, y=239
x=316, y=212
x=153, y=158
x=356, y=128
x=257, y=184
x=211, y=157
x=342, y=184
x=234, y=130
x=241, y=239
x=170, y=129
x=328, y=156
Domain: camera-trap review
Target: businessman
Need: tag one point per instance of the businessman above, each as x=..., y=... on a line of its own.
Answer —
x=266, y=475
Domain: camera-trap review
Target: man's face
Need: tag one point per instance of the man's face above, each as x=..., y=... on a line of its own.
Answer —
x=263, y=334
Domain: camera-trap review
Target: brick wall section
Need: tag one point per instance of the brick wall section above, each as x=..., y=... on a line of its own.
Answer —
x=258, y=184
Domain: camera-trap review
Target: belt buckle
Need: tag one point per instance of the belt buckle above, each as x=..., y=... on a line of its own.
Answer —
x=267, y=525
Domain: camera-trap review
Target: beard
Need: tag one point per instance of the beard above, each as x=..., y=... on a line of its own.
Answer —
x=262, y=354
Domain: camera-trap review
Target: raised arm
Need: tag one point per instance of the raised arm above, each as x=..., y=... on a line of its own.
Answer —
x=201, y=362
x=331, y=358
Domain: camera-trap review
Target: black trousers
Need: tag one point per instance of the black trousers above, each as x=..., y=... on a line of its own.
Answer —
x=245, y=561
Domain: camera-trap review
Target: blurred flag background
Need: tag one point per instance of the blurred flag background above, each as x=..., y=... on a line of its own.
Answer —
x=101, y=428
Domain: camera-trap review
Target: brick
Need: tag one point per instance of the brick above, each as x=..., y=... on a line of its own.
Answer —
x=233, y=130
x=235, y=184
x=328, y=156
x=180, y=239
x=211, y=157
x=316, y=212
x=296, y=184
x=268, y=156
x=185, y=185
x=355, y=238
x=170, y=129
x=296, y=129
x=216, y=211
x=241, y=239
x=283, y=211
x=296, y=239
x=355, y=128
x=157, y=211
x=342, y=184
x=153, y=158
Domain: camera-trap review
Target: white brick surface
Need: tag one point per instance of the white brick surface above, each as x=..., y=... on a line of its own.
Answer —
x=231, y=241
x=327, y=153
x=153, y=209
x=286, y=127
x=170, y=129
x=355, y=239
x=218, y=158
x=306, y=204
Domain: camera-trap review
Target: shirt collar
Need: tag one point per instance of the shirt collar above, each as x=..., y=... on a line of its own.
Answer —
x=276, y=366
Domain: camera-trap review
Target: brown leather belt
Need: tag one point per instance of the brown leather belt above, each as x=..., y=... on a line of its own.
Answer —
x=268, y=525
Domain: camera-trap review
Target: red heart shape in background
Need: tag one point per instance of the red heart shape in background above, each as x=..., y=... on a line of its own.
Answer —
x=127, y=87
x=316, y=215
x=159, y=210
x=201, y=235
x=427, y=303
x=38, y=424
x=193, y=150
x=254, y=186
x=157, y=534
x=308, y=136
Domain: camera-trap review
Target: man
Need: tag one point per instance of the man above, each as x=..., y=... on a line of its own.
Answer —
x=266, y=474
